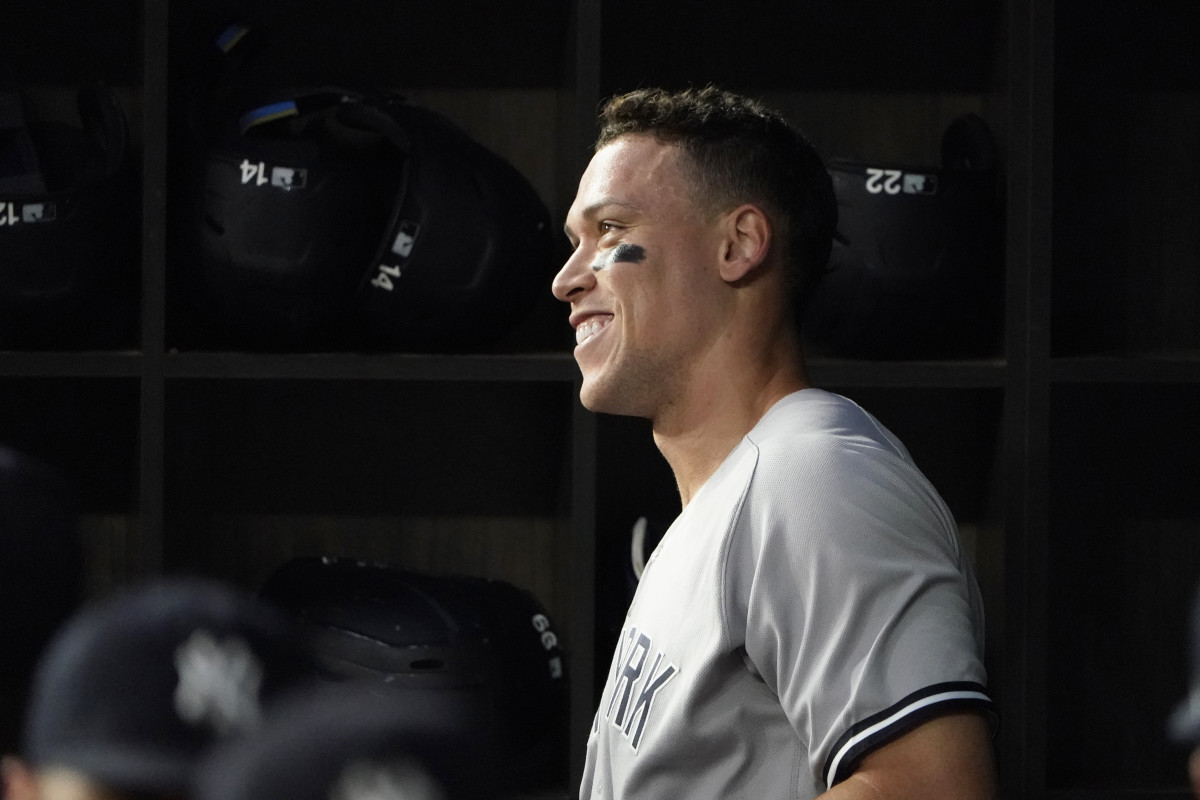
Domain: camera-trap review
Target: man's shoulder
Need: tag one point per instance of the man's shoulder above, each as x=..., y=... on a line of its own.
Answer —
x=817, y=443
x=812, y=421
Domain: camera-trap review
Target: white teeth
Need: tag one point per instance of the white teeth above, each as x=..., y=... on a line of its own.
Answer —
x=590, y=327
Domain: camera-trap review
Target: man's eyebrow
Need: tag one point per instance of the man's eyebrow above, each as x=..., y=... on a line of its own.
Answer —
x=593, y=210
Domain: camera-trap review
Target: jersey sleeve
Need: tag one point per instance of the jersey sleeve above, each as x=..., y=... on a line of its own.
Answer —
x=859, y=608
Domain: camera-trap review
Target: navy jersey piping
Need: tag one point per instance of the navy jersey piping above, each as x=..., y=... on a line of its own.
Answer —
x=918, y=707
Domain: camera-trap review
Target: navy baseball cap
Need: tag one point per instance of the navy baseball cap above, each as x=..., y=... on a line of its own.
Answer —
x=133, y=689
x=356, y=741
x=1184, y=723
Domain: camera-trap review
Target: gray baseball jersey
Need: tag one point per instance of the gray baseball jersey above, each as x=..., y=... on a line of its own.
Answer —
x=809, y=604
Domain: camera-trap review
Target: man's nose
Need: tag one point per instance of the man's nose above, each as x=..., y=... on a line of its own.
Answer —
x=575, y=277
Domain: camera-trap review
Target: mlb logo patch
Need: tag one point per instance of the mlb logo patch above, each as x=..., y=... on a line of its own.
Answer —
x=38, y=212
x=288, y=178
x=402, y=245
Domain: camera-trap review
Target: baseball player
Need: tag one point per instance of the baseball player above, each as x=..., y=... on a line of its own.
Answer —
x=1183, y=727
x=809, y=624
x=136, y=688
x=356, y=740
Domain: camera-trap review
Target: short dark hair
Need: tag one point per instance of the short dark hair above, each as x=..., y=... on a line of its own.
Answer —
x=739, y=151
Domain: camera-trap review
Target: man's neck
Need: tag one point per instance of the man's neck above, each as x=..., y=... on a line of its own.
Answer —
x=696, y=435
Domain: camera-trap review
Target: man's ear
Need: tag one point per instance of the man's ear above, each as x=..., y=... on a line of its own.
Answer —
x=747, y=242
x=17, y=779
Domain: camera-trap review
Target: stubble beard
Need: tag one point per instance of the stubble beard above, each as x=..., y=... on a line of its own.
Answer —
x=632, y=386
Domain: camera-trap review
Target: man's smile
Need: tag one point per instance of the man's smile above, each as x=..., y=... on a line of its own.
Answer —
x=591, y=326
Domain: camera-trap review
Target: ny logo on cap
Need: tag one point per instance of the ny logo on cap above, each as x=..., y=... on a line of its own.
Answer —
x=219, y=682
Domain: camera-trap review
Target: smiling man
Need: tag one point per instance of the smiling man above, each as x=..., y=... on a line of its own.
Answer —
x=809, y=624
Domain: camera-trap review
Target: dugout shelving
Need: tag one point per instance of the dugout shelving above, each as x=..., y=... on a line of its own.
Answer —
x=1121, y=377
x=1064, y=448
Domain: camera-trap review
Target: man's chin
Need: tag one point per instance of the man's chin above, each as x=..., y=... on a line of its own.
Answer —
x=601, y=398
x=594, y=396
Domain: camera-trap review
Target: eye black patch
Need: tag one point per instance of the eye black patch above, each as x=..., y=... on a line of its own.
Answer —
x=622, y=253
x=629, y=253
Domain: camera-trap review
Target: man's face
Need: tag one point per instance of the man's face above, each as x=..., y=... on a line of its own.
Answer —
x=20, y=782
x=643, y=289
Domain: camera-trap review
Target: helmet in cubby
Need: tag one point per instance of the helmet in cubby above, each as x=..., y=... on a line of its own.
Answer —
x=68, y=222
x=467, y=249
x=485, y=643
x=318, y=216
x=916, y=268
x=278, y=221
